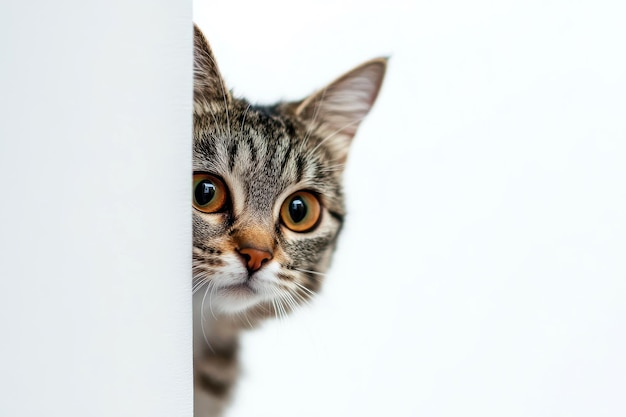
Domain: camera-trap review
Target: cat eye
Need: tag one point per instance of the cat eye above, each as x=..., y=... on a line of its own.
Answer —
x=301, y=212
x=209, y=193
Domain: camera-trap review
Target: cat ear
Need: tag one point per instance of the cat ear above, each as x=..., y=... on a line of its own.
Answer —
x=208, y=84
x=335, y=112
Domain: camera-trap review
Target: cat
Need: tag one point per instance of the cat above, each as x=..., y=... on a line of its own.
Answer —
x=267, y=207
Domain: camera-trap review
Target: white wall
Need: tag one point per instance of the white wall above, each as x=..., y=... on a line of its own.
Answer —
x=493, y=280
x=95, y=136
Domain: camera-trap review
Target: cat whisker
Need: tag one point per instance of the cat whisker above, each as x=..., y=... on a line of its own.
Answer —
x=289, y=301
x=301, y=298
x=203, y=318
x=245, y=315
x=292, y=302
x=309, y=271
x=281, y=305
x=282, y=313
x=275, y=308
x=199, y=285
x=241, y=315
x=213, y=291
x=243, y=119
x=305, y=288
x=201, y=278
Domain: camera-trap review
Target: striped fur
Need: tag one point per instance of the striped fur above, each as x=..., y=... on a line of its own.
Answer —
x=263, y=154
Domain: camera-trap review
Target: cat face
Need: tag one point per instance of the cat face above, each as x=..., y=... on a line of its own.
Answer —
x=267, y=199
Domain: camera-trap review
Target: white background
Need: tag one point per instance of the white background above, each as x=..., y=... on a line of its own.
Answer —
x=481, y=271
x=95, y=229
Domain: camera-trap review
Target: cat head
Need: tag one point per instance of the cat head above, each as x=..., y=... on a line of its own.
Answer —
x=267, y=197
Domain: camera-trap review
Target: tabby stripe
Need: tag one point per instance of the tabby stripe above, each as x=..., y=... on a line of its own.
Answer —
x=271, y=159
x=299, y=168
x=215, y=370
x=232, y=154
x=283, y=163
x=209, y=384
x=226, y=353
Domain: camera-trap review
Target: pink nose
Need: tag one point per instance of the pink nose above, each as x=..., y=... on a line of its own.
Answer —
x=254, y=258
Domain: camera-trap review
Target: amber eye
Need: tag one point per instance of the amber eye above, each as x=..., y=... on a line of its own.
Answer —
x=209, y=193
x=301, y=211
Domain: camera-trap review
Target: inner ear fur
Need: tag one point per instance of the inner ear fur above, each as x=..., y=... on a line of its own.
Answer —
x=335, y=112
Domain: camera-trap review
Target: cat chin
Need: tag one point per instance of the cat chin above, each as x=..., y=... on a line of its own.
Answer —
x=232, y=304
x=237, y=293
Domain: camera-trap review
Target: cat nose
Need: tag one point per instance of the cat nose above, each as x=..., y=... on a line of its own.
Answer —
x=255, y=258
